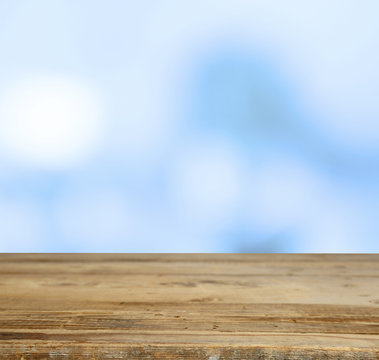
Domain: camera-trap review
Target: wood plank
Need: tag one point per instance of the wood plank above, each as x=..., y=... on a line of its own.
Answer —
x=189, y=306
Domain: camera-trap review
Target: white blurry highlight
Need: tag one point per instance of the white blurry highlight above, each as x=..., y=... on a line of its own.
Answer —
x=336, y=227
x=22, y=227
x=50, y=122
x=284, y=192
x=96, y=220
x=207, y=185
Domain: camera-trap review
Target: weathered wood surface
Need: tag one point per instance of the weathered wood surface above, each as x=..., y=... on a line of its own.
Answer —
x=125, y=306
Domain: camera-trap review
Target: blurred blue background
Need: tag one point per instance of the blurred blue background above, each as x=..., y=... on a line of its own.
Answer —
x=200, y=126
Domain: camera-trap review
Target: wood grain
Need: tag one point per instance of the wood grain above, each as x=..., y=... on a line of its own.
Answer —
x=169, y=306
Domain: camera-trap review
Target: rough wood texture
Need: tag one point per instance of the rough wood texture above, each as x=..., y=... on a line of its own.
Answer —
x=186, y=306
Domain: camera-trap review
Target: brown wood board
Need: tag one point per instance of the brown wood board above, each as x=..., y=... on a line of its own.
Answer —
x=189, y=306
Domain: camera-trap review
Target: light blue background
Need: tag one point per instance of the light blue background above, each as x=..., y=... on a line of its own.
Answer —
x=227, y=126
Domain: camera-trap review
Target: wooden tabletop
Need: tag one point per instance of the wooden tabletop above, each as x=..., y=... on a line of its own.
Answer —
x=134, y=306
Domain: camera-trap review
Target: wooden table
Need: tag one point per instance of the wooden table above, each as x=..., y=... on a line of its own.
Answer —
x=125, y=306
